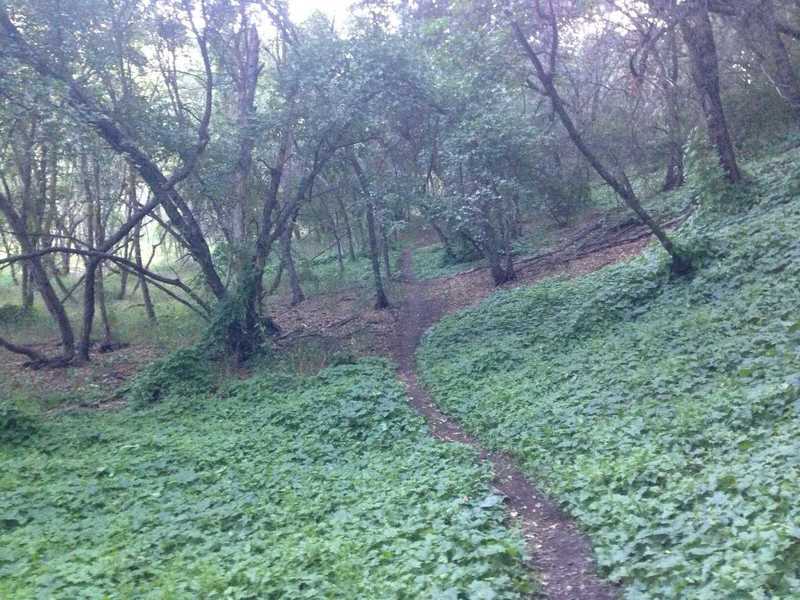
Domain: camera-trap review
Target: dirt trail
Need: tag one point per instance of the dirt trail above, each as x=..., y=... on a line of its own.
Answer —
x=561, y=555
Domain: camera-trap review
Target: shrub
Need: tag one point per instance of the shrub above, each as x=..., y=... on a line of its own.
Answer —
x=182, y=373
x=15, y=424
x=11, y=313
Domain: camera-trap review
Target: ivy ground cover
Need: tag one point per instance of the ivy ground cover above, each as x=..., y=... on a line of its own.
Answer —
x=279, y=487
x=664, y=413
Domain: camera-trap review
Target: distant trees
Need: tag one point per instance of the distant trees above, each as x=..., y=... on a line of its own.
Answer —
x=224, y=131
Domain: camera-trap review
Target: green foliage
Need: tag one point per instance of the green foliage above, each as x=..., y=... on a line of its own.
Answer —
x=16, y=424
x=665, y=414
x=11, y=314
x=706, y=178
x=320, y=487
x=182, y=373
x=432, y=261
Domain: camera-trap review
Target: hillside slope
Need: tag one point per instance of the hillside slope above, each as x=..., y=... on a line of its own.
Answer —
x=664, y=413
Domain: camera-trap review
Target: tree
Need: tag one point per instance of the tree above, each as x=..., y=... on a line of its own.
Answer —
x=546, y=76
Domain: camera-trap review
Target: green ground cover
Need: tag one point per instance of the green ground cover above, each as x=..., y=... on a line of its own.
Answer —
x=275, y=487
x=664, y=413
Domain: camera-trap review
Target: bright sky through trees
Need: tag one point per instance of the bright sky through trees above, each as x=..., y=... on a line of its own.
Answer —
x=302, y=9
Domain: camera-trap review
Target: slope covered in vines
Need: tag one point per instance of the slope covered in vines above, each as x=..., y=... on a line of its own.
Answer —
x=664, y=412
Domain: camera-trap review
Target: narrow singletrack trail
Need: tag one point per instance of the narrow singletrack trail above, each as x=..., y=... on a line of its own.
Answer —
x=561, y=555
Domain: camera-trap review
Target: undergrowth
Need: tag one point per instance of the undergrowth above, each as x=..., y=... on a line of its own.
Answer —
x=278, y=487
x=664, y=413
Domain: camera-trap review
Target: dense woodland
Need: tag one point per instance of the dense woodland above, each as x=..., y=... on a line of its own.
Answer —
x=176, y=175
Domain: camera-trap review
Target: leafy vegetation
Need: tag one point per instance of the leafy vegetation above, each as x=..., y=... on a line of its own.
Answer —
x=16, y=423
x=431, y=262
x=317, y=487
x=664, y=412
x=183, y=373
x=176, y=174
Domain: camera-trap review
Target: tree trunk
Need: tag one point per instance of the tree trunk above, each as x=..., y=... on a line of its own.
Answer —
x=381, y=301
x=100, y=235
x=123, y=274
x=509, y=236
x=786, y=79
x=699, y=37
x=348, y=230
x=12, y=266
x=491, y=250
x=385, y=253
x=48, y=294
x=680, y=264
x=675, y=176
x=107, y=337
x=137, y=251
x=338, y=238
x=27, y=287
x=291, y=270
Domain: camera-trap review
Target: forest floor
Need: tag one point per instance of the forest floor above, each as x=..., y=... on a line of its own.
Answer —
x=345, y=320
x=341, y=321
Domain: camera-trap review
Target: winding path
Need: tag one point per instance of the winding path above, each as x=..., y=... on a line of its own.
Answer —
x=561, y=555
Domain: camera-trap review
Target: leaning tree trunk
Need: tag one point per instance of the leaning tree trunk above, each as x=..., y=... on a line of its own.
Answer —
x=699, y=37
x=51, y=301
x=621, y=186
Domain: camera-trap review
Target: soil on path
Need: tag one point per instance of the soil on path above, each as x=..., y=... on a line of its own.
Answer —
x=561, y=555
